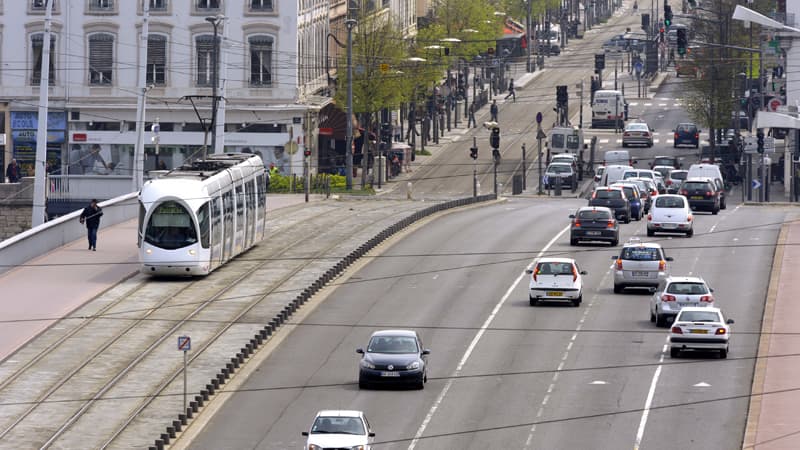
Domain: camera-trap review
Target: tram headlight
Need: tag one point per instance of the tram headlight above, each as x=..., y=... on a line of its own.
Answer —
x=191, y=252
x=149, y=251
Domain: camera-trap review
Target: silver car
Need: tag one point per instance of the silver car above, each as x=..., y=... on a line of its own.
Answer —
x=637, y=133
x=640, y=265
x=674, y=293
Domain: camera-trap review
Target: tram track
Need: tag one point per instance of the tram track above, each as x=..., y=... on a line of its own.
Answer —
x=176, y=314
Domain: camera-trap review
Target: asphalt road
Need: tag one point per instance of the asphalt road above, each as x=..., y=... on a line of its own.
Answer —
x=507, y=375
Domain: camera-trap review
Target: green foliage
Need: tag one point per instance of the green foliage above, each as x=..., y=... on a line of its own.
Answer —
x=319, y=183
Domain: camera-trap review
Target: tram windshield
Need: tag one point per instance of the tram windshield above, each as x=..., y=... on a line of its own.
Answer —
x=170, y=227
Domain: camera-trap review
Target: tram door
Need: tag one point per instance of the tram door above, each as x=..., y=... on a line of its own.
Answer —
x=227, y=231
x=239, y=234
x=250, y=189
x=216, y=232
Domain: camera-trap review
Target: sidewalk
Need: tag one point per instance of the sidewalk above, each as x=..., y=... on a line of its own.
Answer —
x=772, y=420
x=49, y=287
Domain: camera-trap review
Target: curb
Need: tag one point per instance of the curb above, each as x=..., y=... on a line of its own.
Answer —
x=760, y=371
x=264, y=335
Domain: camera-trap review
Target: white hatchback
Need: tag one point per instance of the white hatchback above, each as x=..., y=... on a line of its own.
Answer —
x=556, y=279
x=675, y=293
x=670, y=213
x=700, y=329
x=339, y=429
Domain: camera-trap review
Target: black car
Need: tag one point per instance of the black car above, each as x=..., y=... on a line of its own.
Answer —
x=593, y=223
x=563, y=171
x=701, y=193
x=686, y=134
x=393, y=357
x=614, y=199
x=672, y=161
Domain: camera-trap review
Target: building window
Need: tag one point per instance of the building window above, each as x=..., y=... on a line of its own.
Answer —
x=156, y=59
x=205, y=60
x=260, y=60
x=101, y=57
x=158, y=5
x=36, y=44
x=38, y=4
x=261, y=5
x=101, y=5
x=207, y=4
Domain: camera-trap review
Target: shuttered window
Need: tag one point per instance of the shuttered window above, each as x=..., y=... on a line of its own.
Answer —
x=101, y=58
x=156, y=59
x=261, y=5
x=260, y=60
x=36, y=45
x=205, y=60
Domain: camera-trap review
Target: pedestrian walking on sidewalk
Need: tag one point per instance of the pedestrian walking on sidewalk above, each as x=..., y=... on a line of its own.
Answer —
x=493, y=110
x=471, y=121
x=511, y=91
x=12, y=172
x=91, y=217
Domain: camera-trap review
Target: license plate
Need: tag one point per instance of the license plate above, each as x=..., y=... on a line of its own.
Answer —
x=669, y=225
x=697, y=197
x=641, y=274
x=593, y=233
x=698, y=331
x=555, y=294
x=390, y=374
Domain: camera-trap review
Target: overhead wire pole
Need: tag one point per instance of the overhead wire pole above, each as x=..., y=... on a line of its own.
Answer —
x=141, y=105
x=40, y=163
x=214, y=21
x=222, y=82
x=348, y=152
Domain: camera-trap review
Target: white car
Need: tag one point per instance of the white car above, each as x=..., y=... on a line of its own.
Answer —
x=675, y=293
x=556, y=279
x=339, y=429
x=700, y=329
x=670, y=213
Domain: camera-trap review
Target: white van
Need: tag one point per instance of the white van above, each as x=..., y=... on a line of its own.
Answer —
x=710, y=171
x=618, y=157
x=566, y=140
x=609, y=107
x=613, y=173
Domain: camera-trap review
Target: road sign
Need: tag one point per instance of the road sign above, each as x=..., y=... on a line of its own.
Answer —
x=774, y=104
x=184, y=343
x=638, y=67
x=756, y=184
x=538, y=117
x=540, y=134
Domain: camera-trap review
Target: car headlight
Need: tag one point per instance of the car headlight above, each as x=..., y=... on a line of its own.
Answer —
x=413, y=366
x=314, y=447
x=359, y=447
x=366, y=364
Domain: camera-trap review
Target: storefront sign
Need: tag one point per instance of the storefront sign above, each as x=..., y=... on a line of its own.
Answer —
x=28, y=120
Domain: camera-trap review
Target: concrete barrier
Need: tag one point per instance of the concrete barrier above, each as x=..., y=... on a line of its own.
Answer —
x=61, y=231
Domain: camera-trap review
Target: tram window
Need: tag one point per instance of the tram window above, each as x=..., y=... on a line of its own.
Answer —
x=239, y=209
x=140, y=230
x=170, y=227
x=203, y=222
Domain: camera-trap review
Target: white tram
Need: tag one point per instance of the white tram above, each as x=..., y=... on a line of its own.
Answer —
x=198, y=216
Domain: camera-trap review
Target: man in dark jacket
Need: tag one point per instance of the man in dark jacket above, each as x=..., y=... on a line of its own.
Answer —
x=12, y=172
x=91, y=217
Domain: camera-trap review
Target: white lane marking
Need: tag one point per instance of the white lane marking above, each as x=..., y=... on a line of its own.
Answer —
x=701, y=384
x=598, y=382
x=648, y=104
x=649, y=401
x=436, y=276
x=475, y=341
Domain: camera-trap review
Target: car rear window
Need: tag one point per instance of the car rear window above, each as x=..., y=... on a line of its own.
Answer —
x=594, y=214
x=696, y=185
x=669, y=202
x=612, y=194
x=629, y=192
x=699, y=316
x=640, y=254
x=559, y=168
x=687, y=288
x=554, y=268
x=663, y=171
x=678, y=175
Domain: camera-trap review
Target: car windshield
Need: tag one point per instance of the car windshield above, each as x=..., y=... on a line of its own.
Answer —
x=608, y=193
x=669, y=202
x=392, y=344
x=687, y=288
x=559, y=168
x=338, y=425
x=699, y=316
x=640, y=254
x=554, y=268
x=596, y=214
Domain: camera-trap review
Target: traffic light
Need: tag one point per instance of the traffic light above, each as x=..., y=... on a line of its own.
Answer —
x=561, y=95
x=307, y=152
x=494, y=138
x=496, y=155
x=682, y=41
x=760, y=140
x=667, y=15
x=386, y=132
x=600, y=61
x=473, y=152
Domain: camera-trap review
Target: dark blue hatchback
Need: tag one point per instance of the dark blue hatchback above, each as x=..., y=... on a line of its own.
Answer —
x=635, y=199
x=686, y=134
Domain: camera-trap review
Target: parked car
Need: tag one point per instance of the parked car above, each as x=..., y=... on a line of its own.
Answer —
x=686, y=134
x=637, y=133
x=639, y=265
x=614, y=199
x=675, y=293
x=676, y=177
x=702, y=194
x=339, y=429
x=562, y=171
x=393, y=357
x=634, y=197
x=700, y=329
x=670, y=213
x=593, y=223
x=556, y=279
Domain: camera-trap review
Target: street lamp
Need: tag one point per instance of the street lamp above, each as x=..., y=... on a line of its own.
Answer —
x=214, y=21
x=348, y=153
